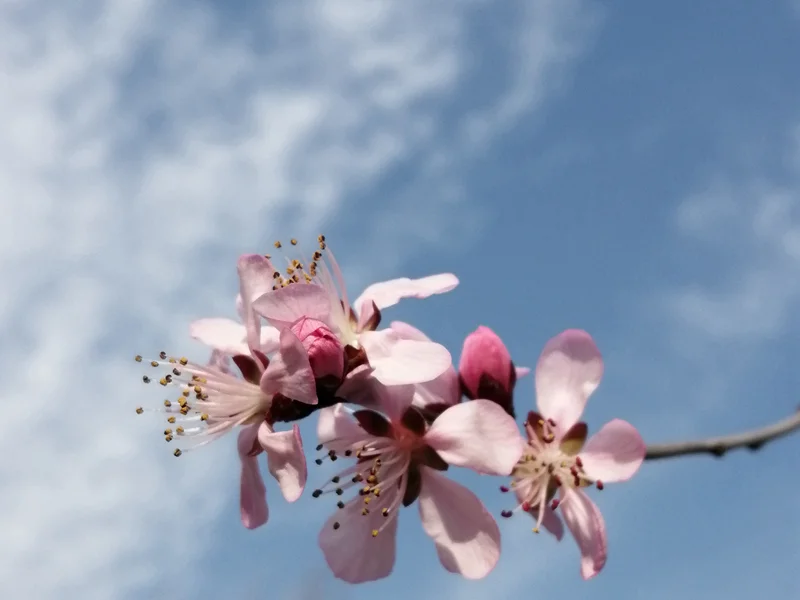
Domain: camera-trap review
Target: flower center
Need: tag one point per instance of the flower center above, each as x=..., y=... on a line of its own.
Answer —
x=380, y=475
x=210, y=402
x=546, y=467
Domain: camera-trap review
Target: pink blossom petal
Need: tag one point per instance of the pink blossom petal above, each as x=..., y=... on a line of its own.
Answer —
x=479, y=435
x=285, y=459
x=408, y=332
x=444, y=390
x=389, y=293
x=466, y=536
x=337, y=429
x=225, y=335
x=255, y=279
x=584, y=520
x=614, y=453
x=252, y=492
x=289, y=372
x=551, y=522
x=397, y=361
x=284, y=306
x=351, y=552
x=569, y=370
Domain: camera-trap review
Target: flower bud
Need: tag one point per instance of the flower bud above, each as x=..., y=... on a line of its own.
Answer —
x=325, y=351
x=486, y=370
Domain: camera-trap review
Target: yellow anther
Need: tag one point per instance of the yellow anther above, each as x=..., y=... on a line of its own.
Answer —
x=177, y=452
x=153, y=363
x=138, y=358
x=167, y=403
x=184, y=361
x=278, y=244
x=204, y=417
x=374, y=533
x=293, y=242
x=139, y=410
x=179, y=430
x=171, y=420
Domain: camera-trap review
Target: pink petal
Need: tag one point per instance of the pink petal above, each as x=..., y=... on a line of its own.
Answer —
x=551, y=522
x=614, y=453
x=252, y=492
x=337, y=429
x=479, y=435
x=584, y=520
x=285, y=459
x=445, y=390
x=255, y=279
x=351, y=552
x=397, y=361
x=408, y=332
x=289, y=372
x=466, y=536
x=389, y=293
x=569, y=370
x=285, y=306
x=225, y=335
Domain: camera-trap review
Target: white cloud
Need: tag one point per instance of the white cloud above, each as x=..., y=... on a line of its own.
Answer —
x=751, y=222
x=143, y=147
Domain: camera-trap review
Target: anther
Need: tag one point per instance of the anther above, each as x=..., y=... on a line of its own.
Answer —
x=578, y=462
x=599, y=485
x=335, y=479
x=316, y=493
x=504, y=489
x=184, y=361
x=145, y=378
x=139, y=410
x=138, y=358
x=153, y=363
x=319, y=447
x=167, y=431
x=339, y=491
x=293, y=242
x=526, y=506
x=336, y=525
x=348, y=452
x=176, y=372
x=170, y=419
x=365, y=511
x=340, y=504
x=167, y=403
x=177, y=452
x=372, y=480
x=385, y=512
x=554, y=504
x=320, y=238
x=506, y=514
x=162, y=355
x=535, y=530
x=163, y=381
x=179, y=430
x=374, y=533
x=204, y=417
x=277, y=244
x=318, y=461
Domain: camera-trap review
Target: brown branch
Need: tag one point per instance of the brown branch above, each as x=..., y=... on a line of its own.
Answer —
x=753, y=440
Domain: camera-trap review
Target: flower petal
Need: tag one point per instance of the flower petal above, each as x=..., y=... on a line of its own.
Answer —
x=225, y=335
x=569, y=370
x=284, y=306
x=285, y=459
x=337, y=429
x=389, y=293
x=255, y=279
x=584, y=520
x=551, y=522
x=466, y=536
x=408, y=332
x=397, y=361
x=289, y=372
x=252, y=492
x=350, y=550
x=479, y=435
x=614, y=453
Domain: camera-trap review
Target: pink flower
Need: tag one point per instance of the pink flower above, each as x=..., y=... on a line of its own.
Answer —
x=212, y=401
x=316, y=290
x=325, y=351
x=399, y=460
x=230, y=337
x=486, y=370
x=556, y=459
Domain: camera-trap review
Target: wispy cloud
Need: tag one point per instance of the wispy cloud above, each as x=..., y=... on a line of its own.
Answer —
x=145, y=146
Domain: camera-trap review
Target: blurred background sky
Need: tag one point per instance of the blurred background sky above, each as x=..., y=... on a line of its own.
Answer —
x=630, y=168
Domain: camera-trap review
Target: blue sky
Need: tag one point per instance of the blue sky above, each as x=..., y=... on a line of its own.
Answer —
x=628, y=168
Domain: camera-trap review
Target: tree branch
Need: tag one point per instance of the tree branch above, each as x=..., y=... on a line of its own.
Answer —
x=753, y=440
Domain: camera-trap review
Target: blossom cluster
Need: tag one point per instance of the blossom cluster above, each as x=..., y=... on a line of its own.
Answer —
x=398, y=414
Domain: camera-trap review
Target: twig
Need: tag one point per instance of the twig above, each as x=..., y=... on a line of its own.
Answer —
x=753, y=440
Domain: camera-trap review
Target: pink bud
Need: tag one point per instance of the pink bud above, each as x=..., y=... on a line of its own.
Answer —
x=325, y=351
x=486, y=370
